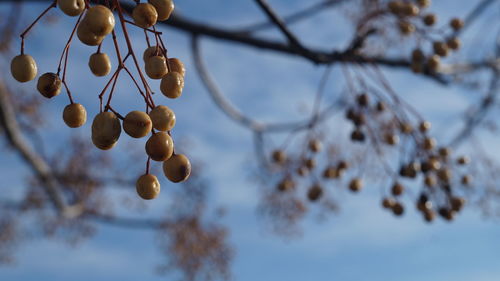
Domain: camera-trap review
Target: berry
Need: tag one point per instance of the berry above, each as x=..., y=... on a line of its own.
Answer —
x=397, y=189
x=388, y=203
x=463, y=160
x=74, y=115
x=430, y=180
x=433, y=63
x=440, y=48
x=358, y=135
x=71, y=8
x=454, y=43
x=147, y=186
x=145, y=15
x=99, y=20
x=172, y=84
x=286, y=184
x=331, y=173
x=391, y=139
x=356, y=185
x=314, y=145
x=156, y=67
x=99, y=64
x=163, y=7
x=160, y=146
x=87, y=37
x=411, y=10
x=429, y=215
x=398, y=209
x=151, y=52
x=49, y=85
x=444, y=175
x=176, y=65
x=380, y=106
x=417, y=55
x=424, y=126
x=456, y=24
x=310, y=163
x=314, y=193
x=163, y=118
x=137, y=124
x=424, y=3
x=177, y=168
x=106, y=130
x=406, y=128
x=362, y=100
x=466, y=179
x=429, y=143
x=430, y=19
x=406, y=27
x=278, y=156
x=23, y=68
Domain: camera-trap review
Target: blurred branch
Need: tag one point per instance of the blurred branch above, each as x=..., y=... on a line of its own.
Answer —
x=41, y=169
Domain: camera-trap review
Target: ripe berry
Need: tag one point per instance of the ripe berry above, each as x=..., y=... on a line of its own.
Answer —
x=151, y=52
x=466, y=179
x=444, y=175
x=314, y=145
x=411, y=10
x=406, y=128
x=406, y=27
x=395, y=7
x=429, y=143
x=397, y=189
x=148, y=187
x=145, y=15
x=358, y=135
x=444, y=152
x=172, y=84
x=380, y=106
x=457, y=203
x=23, y=68
x=99, y=64
x=286, y=184
x=342, y=165
x=430, y=180
x=446, y=213
x=163, y=7
x=440, y=48
x=163, y=118
x=160, y=146
x=388, y=203
x=356, y=185
x=106, y=130
x=424, y=126
x=310, y=163
x=391, y=139
x=417, y=55
x=362, y=100
x=456, y=24
x=398, y=209
x=315, y=192
x=433, y=63
x=71, y=8
x=429, y=215
x=302, y=171
x=74, y=115
x=137, y=124
x=330, y=173
x=176, y=65
x=86, y=36
x=454, y=43
x=177, y=168
x=156, y=67
x=99, y=20
x=279, y=156
x=49, y=85
x=430, y=19
x=463, y=160
x=424, y=3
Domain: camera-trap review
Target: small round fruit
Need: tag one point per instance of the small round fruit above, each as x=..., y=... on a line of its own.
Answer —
x=100, y=20
x=424, y=3
x=172, y=84
x=398, y=209
x=145, y=15
x=106, y=130
x=176, y=65
x=430, y=19
x=23, y=68
x=356, y=185
x=100, y=64
x=315, y=145
x=406, y=27
x=177, y=168
x=440, y=48
x=151, y=52
x=160, y=146
x=71, y=8
x=454, y=43
x=163, y=7
x=147, y=186
x=433, y=63
x=397, y=189
x=163, y=118
x=388, y=203
x=279, y=156
x=314, y=193
x=137, y=124
x=49, y=85
x=74, y=115
x=156, y=67
x=456, y=24
x=417, y=55
x=86, y=36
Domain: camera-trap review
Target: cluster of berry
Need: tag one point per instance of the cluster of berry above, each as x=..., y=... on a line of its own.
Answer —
x=94, y=24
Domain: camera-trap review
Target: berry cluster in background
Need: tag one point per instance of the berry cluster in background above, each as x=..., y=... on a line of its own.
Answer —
x=95, y=23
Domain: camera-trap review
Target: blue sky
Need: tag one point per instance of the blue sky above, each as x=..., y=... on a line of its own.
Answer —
x=362, y=242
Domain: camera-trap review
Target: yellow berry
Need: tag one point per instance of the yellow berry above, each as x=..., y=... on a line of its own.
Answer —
x=74, y=115
x=177, y=168
x=86, y=36
x=23, y=68
x=151, y=52
x=145, y=15
x=163, y=118
x=106, y=130
x=100, y=20
x=137, y=124
x=160, y=146
x=71, y=8
x=171, y=85
x=163, y=7
x=147, y=186
x=156, y=67
x=100, y=64
x=176, y=65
